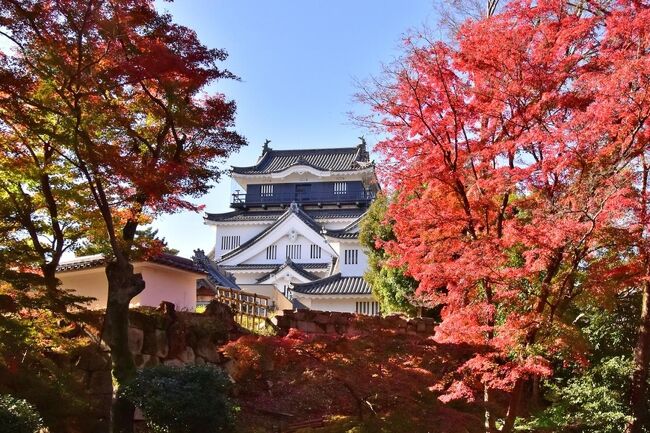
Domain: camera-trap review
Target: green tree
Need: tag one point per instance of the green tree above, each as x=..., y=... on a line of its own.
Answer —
x=390, y=285
x=191, y=399
x=591, y=397
x=18, y=416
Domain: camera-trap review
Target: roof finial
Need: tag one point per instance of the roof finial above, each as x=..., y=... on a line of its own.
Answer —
x=363, y=142
x=266, y=147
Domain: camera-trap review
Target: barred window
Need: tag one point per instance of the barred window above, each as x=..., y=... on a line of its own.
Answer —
x=294, y=251
x=267, y=191
x=340, y=187
x=367, y=308
x=315, y=252
x=230, y=242
x=351, y=257
x=271, y=252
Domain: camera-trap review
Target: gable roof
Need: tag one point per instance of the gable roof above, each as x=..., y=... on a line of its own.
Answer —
x=334, y=285
x=351, y=231
x=216, y=275
x=332, y=159
x=294, y=209
x=300, y=270
x=98, y=260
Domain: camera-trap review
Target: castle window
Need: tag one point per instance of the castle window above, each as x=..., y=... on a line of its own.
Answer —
x=340, y=188
x=271, y=252
x=367, y=308
x=230, y=242
x=351, y=257
x=315, y=252
x=294, y=251
x=266, y=190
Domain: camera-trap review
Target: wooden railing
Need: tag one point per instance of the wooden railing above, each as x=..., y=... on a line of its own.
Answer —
x=250, y=309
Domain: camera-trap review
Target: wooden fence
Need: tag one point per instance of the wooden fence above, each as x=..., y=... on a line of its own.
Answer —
x=250, y=309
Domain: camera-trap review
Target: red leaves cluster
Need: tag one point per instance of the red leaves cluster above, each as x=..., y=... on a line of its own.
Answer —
x=517, y=156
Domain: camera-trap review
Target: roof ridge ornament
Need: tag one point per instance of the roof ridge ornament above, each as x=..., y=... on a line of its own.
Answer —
x=265, y=147
x=362, y=152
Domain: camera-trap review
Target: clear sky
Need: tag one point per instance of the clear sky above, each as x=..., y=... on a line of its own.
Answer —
x=298, y=61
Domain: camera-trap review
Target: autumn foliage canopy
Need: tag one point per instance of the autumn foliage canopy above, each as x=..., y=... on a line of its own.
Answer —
x=518, y=154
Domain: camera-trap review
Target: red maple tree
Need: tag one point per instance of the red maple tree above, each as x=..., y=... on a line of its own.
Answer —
x=516, y=153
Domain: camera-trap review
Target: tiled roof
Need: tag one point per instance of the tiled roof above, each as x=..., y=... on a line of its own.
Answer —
x=351, y=231
x=98, y=260
x=271, y=215
x=294, y=209
x=334, y=285
x=80, y=263
x=334, y=159
x=300, y=270
x=216, y=275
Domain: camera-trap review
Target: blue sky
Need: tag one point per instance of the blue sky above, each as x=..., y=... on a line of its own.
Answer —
x=298, y=62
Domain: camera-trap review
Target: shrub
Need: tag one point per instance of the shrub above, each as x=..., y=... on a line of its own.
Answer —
x=18, y=416
x=190, y=399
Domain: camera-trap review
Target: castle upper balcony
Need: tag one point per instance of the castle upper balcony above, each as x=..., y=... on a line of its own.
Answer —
x=319, y=193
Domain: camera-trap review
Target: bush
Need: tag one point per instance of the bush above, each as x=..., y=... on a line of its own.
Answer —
x=18, y=416
x=190, y=399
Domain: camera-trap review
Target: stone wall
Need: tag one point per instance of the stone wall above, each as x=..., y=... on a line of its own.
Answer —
x=350, y=324
x=156, y=336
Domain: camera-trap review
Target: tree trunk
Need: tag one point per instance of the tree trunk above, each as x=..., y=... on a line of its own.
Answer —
x=490, y=426
x=513, y=407
x=123, y=285
x=639, y=385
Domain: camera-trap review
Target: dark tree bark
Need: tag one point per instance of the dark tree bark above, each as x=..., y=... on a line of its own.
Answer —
x=639, y=386
x=123, y=285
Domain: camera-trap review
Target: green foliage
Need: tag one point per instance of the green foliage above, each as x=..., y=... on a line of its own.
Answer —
x=145, y=239
x=35, y=348
x=594, y=399
x=18, y=416
x=191, y=399
x=391, y=286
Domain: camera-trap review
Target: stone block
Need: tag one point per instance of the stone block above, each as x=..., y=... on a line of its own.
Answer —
x=322, y=318
x=152, y=362
x=101, y=382
x=155, y=343
x=136, y=340
x=173, y=362
x=187, y=356
x=421, y=326
x=177, y=339
x=141, y=360
x=91, y=359
x=207, y=350
x=309, y=327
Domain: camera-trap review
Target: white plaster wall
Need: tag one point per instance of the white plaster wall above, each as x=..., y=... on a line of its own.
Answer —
x=91, y=282
x=167, y=284
x=260, y=258
x=342, y=305
x=161, y=284
x=352, y=270
x=244, y=231
x=281, y=302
